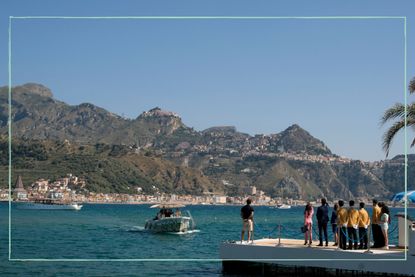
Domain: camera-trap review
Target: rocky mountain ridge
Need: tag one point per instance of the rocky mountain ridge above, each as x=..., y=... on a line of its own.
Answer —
x=291, y=163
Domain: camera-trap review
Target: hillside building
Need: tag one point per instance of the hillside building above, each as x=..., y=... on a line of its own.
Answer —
x=250, y=190
x=19, y=192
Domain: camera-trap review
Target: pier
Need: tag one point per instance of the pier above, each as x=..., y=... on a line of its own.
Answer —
x=290, y=257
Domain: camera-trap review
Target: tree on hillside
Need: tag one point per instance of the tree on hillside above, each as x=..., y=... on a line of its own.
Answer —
x=397, y=114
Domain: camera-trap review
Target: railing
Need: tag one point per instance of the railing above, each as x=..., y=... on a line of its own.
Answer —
x=278, y=232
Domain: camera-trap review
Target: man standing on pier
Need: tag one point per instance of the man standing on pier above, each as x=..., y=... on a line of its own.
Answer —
x=376, y=231
x=247, y=214
x=364, y=222
x=322, y=220
x=352, y=225
x=342, y=224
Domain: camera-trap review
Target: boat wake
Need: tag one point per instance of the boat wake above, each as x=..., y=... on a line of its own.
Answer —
x=184, y=233
x=135, y=229
x=142, y=229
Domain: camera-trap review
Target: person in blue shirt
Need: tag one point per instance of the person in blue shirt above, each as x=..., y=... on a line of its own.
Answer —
x=322, y=220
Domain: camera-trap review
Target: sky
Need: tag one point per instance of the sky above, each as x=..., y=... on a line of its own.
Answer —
x=333, y=77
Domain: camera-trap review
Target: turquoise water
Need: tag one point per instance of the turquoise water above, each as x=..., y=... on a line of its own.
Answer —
x=115, y=232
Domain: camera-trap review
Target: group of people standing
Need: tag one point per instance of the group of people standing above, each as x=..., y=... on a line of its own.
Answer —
x=349, y=225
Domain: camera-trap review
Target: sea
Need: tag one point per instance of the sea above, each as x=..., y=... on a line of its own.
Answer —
x=115, y=232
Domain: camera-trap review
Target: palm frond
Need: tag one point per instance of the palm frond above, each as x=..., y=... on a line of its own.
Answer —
x=410, y=122
x=411, y=86
x=411, y=110
x=398, y=110
x=393, y=130
x=390, y=135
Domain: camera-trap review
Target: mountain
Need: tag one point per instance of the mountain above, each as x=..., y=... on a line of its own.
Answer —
x=158, y=148
x=392, y=172
x=296, y=139
x=36, y=114
x=106, y=168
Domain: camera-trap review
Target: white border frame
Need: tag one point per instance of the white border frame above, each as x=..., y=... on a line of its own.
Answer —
x=196, y=18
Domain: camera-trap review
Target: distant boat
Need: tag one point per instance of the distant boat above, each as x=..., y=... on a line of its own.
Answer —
x=48, y=204
x=168, y=222
x=283, y=206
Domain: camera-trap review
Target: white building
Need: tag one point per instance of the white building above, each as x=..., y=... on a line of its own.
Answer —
x=55, y=195
x=219, y=199
x=41, y=186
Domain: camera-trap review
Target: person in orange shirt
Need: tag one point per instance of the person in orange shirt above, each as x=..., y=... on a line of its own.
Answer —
x=364, y=222
x=352, y=225
x=378, y=240
x=342, y=224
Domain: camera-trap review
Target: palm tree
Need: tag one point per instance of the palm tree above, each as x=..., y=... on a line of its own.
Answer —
x=398, y=112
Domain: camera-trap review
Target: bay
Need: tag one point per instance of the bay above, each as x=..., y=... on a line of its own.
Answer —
x=115, y=231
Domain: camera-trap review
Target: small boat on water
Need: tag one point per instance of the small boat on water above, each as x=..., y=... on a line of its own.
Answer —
x=167, y=221
x=49, y=204
x=283, y=206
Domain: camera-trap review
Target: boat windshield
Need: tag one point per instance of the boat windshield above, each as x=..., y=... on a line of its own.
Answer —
x=167, y=212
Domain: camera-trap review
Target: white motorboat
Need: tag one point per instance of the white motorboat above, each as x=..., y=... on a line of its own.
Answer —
x=283, y=206
x=168, y=222
x=49, y=204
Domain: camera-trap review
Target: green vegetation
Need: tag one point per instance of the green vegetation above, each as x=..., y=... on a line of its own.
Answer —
x=106, y=168
x=397, y=112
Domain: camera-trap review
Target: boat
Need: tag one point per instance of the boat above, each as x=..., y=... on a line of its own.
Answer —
x=49, y=204
x=283, y=206
x=168, y=222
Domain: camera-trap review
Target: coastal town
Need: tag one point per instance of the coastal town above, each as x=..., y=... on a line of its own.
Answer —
x=71, y=188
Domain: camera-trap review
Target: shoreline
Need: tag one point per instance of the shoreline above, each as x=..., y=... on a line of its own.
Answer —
x=192, y=204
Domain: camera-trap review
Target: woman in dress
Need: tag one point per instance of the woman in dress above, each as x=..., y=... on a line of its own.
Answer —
x=308, y=224
x=384, y=224
x=333, y=222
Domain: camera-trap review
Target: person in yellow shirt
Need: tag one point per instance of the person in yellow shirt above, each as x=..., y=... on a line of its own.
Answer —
x=376, y=231
x=364, y=222
x=342, y=224
x=352, y=225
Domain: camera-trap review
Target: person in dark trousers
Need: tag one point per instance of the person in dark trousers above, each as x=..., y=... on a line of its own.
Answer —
x=333, y=222
x=364, y=222
x=376, y=230
x=352, y=225
x=342, y=224
x=322, y=220
x=247, y=214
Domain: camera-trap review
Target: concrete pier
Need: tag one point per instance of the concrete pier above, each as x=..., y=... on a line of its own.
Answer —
x=292, y=258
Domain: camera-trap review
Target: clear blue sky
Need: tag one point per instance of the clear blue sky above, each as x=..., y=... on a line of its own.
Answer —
x=332, y=77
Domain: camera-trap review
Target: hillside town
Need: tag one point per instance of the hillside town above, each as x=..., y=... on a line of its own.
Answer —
x=72, y=189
